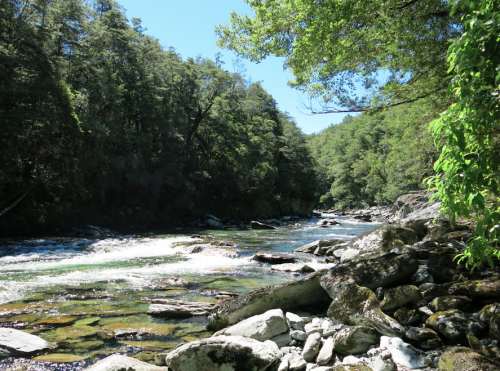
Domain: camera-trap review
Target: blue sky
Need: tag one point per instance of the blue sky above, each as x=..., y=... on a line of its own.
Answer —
x=188, y=26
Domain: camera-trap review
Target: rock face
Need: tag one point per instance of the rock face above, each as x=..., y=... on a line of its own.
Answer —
x=304, y=292
x=261, y=327
x=373, y=244
x=464, y=359
x=180, y=308
x=118, y=362
x=223, y=353
x=15, y=342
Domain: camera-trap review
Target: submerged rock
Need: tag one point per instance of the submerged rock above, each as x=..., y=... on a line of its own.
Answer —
x=261, y=327
x=118, y=362
x=15, y=342
x=180, y=308
x=223, y=353
x=127, y=329
x=274, y=258
x=59, y=358
x=464, y=359
x=288, y=296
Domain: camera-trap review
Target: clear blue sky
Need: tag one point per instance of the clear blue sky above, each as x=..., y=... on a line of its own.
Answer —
x=188, y=26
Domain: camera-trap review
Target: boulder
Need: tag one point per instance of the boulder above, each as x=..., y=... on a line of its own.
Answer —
x=258, y=225
x=443, y=303
x=295, y=268
x=274, y=258
x=455, y=324
x=180, y=308
x=404, y=354
x=261, y=327
x=415, y=206
x=464, y=359
x=328, y=222
x=309, y=248
x=282, y=340
x=118, y=362
x=288, y=296
x=407, y=316
x=381, y=241
x=481, y=289
x=222, y=353
x=355, y=339
x=296, y=362
x=322, y=246
x=311, y=347
x=381, y=272
x=17, y=343
x=399, y=296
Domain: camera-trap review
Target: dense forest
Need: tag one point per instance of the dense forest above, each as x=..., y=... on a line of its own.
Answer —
x=100, y=124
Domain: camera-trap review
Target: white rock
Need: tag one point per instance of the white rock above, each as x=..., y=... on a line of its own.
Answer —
x=311, y=347
x=296, y=322
x=285, y=362
x=351, y=360
x=261, y=327
x=404, y=354
x=296, y=363
x=15, y=342
x=118, y=362
x=326, y=352
x=382, y=362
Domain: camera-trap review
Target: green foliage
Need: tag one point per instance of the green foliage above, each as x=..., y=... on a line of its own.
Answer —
x=374, y=158
x=468, y=175
x=334, y=47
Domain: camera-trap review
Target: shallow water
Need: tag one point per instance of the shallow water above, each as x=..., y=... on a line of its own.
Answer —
x=71, y=291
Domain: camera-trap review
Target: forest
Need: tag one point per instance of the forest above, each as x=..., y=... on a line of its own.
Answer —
x=101, y=124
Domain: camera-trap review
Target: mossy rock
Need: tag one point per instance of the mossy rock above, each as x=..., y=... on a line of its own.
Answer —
x=71, y=332
x=464, y=359
x=25, y=308
x=399, y=296
x=109, y=310
x=141, y=318
x=155, y=346
x=355, y=367
x=87, y=321
x=146, y=356
x=56, y=321
x=59, y=358
x=455, y=325
x=355, y=339
x=22, y=318
x=481, y=289
x=80, y=346
x=350, y=303
x=444, y=303
x=125, y=329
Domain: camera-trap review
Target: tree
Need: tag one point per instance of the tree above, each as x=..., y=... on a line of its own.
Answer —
x=334, y=47
x=468, y=179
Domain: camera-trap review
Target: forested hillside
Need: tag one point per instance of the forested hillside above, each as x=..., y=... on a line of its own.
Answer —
x=100, y=124
x=374, y=158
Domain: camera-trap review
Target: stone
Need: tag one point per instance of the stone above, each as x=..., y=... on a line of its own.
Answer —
x=455, y=324
x=298, y=335
x=328, y=222
x=464, y=359
x=296, y=362
x=443, y=303
x=354, y=367
x=374, y=244
x=15, y=343
x=420, y=333
x=382, y=362
x=311, y=347
x=288, y=296
x=126, y=329
x=180, y=308
x=385, y=271
x=407, y=316
x=399, y=296
x=282, y=340
x=404, y=354
x=430, y=292
x=295, y=268
x=326, y=352
x=274, y=258
x=296, y=322
x=261, y=327
x=309, y=248
x=222, y=353
x=59, y=358
x=56, y=321
x=258, y=225
x=355, y=339
x=118, y=362
x=482, y=289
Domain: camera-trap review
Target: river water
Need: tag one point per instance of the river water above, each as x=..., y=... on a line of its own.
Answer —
x=77, y=293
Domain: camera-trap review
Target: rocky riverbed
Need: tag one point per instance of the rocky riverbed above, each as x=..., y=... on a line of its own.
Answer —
x=390, y=298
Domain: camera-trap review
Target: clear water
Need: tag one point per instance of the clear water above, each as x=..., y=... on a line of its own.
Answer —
x=94, y=283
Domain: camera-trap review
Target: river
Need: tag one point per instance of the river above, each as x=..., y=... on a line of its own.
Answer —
x=70, y=291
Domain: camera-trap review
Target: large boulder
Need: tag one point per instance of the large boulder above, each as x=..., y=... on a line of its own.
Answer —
x=261, y=327
x=118, y=362
x=382, y=272
x=415, y=207
x=288, y=296
x=464, y=359
x=399, y=296
x=355, y=339
x=404, y=354
x=455, y=325
x=482, y=289
x=373, y=244
x=180, y=308
x=16, y=343
x=223, y=353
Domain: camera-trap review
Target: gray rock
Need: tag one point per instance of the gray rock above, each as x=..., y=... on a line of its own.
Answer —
x=233, y=352
x=261, y=327
x=455, y=324
x=355, y=339
x=180, y=308
x=399, y=296
x=296, y=322
x=326, y=352
x=296, y=363
x=309, y=248
x=215, y=224
x=404, y=354
x=382, y=362
x=15, y=342
x=311, y=347
x=118, y=362
x=288, y=296
x=444, y=303
x=298, y=335
x=282, y=340
x=374, y=244
x=407, y=316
